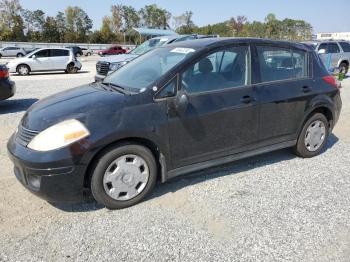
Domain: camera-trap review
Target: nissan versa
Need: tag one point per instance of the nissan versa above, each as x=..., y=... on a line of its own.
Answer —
x=176, y=109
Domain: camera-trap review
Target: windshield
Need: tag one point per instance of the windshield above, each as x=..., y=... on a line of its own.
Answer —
x=148, y=45
x=141, y=72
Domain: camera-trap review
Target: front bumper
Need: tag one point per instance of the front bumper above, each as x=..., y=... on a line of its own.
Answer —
x=7, y=89
x=52, y=176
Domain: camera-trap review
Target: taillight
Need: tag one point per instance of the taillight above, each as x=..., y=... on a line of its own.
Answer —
x=331, y=81
x=4, y=74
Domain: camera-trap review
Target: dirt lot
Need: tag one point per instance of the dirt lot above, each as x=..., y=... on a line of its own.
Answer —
x=273, y=207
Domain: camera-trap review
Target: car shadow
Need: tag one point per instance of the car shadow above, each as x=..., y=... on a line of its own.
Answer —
x=178, y=183
x=16, y=105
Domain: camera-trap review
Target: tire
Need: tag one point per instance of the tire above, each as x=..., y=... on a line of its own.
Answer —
x=343, y=67
x=20, y=55
x=77, y=55
x=88, y=54
x=315, y=127
x=0, y=56
x=23, y=70
x=103, y=190
x=71, y=69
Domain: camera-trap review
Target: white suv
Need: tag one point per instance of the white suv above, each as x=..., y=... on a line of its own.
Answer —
x=45, y=59
x=334, y=54
x=12, y=51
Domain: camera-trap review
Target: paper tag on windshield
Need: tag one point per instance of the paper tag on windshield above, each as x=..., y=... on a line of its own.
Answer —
x=182, y=50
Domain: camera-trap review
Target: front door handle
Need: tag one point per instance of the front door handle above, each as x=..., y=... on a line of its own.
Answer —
x=247, y=99
x=307, y=89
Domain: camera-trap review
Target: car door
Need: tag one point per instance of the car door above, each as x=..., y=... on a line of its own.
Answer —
x=221, y=117
x=59, y=59
x=40, y=61
x=284, y=86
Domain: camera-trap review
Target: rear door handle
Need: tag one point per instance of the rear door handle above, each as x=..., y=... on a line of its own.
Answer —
x=247, y=99
x=307, y=89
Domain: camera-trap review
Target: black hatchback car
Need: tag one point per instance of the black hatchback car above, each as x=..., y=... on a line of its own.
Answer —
x=174, y=110
x=7, y=87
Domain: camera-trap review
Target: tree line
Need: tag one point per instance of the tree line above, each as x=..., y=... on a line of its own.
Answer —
x=74, y=25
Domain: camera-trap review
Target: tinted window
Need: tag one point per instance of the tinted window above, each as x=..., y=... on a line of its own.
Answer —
x=333, y=48
x=345, y=46
x=281, y=64
x=168, y=90
x=323, y=46
x=59, y=52
x=220, y=70
x=42, y=53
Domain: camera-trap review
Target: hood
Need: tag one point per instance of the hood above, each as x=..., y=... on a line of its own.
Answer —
x=82, y=103
x=17, y=61
x=118, y=58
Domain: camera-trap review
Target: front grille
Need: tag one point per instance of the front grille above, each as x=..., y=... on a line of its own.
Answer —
x=24, y=136
x=102, y=68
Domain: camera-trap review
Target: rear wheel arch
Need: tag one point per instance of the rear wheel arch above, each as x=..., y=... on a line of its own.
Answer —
x=161, y=165
x=322, y=109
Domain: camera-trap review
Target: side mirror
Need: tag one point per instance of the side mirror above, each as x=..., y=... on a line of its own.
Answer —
x=322, y=51
x=33, y=56
x=181, y=102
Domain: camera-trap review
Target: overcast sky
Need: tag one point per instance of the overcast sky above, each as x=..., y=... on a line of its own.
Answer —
x=325, y=16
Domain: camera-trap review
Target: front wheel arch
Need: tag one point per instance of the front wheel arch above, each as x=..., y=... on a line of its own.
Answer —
x=161, y=164
x=24, y=65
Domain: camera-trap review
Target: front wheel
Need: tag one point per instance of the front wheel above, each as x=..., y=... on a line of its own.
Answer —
x=344, y=68
x=71, y=69
x=123, y=176
x=313, y=136
x=20, y=55
x=23, y=70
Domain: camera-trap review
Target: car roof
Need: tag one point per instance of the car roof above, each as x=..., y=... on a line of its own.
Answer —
x=217, y=42
x=50, y=48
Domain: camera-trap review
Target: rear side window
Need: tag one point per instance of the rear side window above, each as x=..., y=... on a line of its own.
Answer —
x=345, y=46
x=59, y=52
x=278, y=64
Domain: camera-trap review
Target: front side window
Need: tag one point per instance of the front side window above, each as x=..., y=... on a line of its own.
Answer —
x=144, y=70
x=333, y=48
x=42, y=53
x=223, y=69
x=281, y=64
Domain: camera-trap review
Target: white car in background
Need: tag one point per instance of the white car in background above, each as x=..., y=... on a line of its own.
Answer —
x=12, y=51
x=87, y=52
x=45, y=59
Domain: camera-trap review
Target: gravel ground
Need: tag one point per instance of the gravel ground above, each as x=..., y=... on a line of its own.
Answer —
x=274, y=207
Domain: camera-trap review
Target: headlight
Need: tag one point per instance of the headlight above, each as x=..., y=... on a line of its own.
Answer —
x=116, y=66
x=59, y=135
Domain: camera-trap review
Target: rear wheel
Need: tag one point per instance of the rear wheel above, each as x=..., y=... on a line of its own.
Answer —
x=23, y=70
x=123, y=176
x=344, y=68
x=313, y=136
x=20, y=55
x=71, y=69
